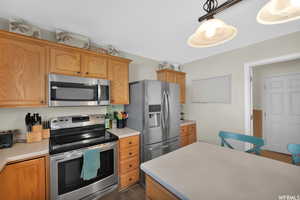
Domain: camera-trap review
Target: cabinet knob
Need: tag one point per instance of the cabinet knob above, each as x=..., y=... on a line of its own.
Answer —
x=42, y=102
x=130, y=153
x=130, y=179
x=86, y=73
x=130, y=142
x=130, y=165
x=78, y=72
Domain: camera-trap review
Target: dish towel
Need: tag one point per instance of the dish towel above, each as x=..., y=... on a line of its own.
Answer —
x=91, y=164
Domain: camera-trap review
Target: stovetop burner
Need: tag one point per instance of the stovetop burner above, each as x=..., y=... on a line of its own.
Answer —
x=75, y=132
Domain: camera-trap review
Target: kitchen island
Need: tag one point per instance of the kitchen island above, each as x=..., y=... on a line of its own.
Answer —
x=206, y=171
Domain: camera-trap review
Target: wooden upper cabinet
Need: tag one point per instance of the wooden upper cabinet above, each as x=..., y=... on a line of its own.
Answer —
x=180, y=80
x=118, y=75
x=24, y=180
x=94, y=66
x=172, y=76
x=65, y=61
x=22, y=73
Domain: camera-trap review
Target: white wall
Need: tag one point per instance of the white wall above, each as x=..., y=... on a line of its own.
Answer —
x=13, y=118
x=261, y=72
x=211, y=118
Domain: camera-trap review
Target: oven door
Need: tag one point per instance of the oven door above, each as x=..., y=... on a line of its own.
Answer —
x=73, y=91
x=65, y=172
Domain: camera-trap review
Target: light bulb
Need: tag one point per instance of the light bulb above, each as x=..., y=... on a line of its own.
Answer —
x=210, y=31
x=295, y=3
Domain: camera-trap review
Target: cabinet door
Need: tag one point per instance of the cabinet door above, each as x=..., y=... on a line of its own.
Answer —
x=24, y=180
x=118, y=74
x=95, y=66
x=22, y=73
x=167, y=76
x=192, y=134
x=65, y=61
x=180, y=80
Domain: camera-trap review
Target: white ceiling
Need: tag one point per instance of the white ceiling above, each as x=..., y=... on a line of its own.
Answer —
x=155, y=29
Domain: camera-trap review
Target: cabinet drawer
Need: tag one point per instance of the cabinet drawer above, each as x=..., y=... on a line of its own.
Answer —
x=128, y=165
x=129, y=179
x=129, y=152
x=192, y=138
x=129, y=142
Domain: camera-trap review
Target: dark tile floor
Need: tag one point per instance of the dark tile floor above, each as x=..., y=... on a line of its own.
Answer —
x=135, y=192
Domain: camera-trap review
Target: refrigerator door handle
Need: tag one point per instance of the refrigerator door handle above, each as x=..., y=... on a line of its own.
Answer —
x=162, y=113
x=168, y=112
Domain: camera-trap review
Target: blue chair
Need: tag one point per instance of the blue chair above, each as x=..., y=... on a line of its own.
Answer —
x=257, y=142
x=294, y=149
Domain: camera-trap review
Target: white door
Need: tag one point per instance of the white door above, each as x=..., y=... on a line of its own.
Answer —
x=282, y=112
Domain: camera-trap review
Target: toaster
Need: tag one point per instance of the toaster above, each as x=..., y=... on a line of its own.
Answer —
x=7, y=138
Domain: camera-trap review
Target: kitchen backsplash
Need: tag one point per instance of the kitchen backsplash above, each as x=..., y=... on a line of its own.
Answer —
x=14, y=118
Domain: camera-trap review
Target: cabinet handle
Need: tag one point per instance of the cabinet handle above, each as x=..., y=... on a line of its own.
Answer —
x=130, y=179
x=130, y=153
x=87, y=73
x=130, y=142
x=130, y=165
x=78, y=72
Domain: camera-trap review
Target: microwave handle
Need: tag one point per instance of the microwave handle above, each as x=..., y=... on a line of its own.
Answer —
x=99, y=92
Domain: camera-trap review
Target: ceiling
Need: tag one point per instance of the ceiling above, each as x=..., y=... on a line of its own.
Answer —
x=151, y=28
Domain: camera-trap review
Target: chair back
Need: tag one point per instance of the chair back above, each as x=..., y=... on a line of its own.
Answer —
x=257, y=142
x=294, y=149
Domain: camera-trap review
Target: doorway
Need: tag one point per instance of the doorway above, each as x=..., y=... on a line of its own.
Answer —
x=272, y=101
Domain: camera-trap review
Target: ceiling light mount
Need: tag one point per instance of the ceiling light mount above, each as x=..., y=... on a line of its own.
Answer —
x=212, y=7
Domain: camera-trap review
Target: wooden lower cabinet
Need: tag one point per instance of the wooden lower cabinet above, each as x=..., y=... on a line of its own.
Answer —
x=24, y=180
x=129, y=161
x=155, y=191
x=188, y=134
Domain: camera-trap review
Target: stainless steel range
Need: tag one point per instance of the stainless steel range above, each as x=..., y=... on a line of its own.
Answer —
x=70, y=137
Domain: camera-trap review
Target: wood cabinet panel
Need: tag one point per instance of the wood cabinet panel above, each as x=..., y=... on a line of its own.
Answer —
x=22, y=73
x=129, y=178
x=155, y=191
x=128, y=165
x=65, y=61
x=129, y=141
x=188, y=134
x=94, y=66
x=24, y=180
x=129, y=152
x=118, y=75
x=180, y=80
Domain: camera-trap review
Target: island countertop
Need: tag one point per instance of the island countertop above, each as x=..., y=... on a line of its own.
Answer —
x=23, y=151
x=206, y=171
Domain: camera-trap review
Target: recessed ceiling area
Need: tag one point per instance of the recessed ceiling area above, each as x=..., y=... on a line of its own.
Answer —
x=155, y=29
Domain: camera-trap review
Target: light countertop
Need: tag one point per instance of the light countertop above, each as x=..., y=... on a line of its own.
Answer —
x=187, y=122
x=123, y=132
x=206, y=171
x=22, y=151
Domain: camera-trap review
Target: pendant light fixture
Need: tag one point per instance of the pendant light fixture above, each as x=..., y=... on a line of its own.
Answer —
x=213, y=31
x=279, y=11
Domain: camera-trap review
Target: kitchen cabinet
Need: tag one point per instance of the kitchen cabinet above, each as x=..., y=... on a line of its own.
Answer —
x=172, y=76
x=24, y=180
x=154, y=191
x=94, y=66
x=22, y=73
x=129, y=161
x=118, y=76
x=65, y=61
x=25, y=63
x=188, y=134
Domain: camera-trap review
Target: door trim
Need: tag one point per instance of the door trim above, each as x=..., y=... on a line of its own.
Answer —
x=248, y=70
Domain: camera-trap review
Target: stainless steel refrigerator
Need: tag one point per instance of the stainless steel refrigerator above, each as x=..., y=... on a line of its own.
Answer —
x=154, y=110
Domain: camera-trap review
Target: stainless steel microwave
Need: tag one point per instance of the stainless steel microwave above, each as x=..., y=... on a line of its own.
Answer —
x=77, y=91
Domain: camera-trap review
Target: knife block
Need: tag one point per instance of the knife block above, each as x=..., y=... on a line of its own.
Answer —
x=35, y=135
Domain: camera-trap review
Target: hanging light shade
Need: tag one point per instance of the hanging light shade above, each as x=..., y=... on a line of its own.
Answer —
x=212, y=32
x=279, y=11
